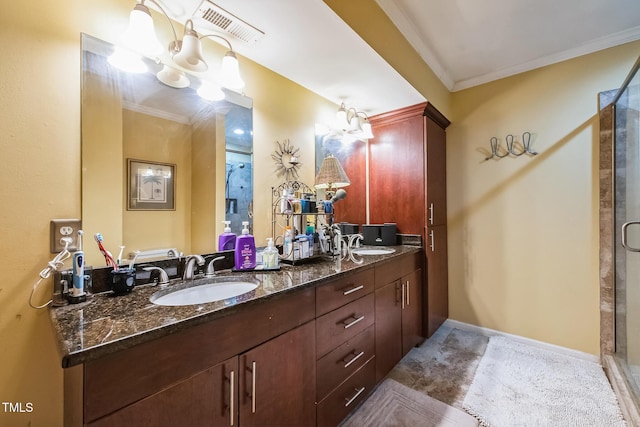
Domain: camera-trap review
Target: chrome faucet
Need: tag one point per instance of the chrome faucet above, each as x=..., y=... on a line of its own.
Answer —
x=189, y=264
x=210, y=272
x=164, y=277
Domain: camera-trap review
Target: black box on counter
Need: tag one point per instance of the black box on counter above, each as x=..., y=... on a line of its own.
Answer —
x=379, y=234
x=347, y=228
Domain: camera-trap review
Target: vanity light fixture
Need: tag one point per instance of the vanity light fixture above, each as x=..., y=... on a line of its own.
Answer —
x=348, y=121
x=186, y=53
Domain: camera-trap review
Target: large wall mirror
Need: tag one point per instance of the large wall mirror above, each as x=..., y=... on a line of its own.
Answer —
x=161, y=166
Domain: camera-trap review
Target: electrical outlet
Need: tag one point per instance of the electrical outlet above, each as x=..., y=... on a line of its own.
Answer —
x=64, y=228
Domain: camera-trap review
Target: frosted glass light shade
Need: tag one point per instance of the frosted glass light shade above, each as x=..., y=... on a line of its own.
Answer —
x=366, y=130
x=141, y=35
x=172, y=77
x=128, y=61
x=190, y=55
x=230, y=72
x=341, y=118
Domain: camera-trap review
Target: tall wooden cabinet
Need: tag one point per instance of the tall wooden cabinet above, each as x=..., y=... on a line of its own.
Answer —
x=407, y=185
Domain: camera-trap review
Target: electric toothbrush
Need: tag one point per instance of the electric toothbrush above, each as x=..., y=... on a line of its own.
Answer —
x=78, y=270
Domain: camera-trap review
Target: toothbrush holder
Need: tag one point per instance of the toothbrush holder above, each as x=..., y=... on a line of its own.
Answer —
x=123, y=280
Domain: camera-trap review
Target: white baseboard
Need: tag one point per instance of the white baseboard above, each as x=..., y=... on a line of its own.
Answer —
x=534, y=343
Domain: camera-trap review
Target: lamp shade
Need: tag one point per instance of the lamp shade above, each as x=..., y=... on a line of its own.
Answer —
x=230, y=72
x=172, y=77
x=331, y=175
x=190, y=55
x=141, y=35
x=341, y=118
x=127, y=60
x=366, y=130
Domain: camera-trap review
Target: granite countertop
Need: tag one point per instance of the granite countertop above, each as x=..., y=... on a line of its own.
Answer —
x=105, y=323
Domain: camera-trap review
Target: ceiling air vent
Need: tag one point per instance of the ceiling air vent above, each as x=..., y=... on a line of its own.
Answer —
x=217, y=19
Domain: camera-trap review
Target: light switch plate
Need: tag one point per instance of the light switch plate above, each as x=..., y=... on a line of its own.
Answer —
x=64, y=228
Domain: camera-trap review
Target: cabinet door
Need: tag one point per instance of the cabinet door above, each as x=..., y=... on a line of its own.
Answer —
x=412, y=311
x=206, y=399
x=278, y=382
x=437, y=278
x=388, y=325
x=396, y=170
x=436, y=173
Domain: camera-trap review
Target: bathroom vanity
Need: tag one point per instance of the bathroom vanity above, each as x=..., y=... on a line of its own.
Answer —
x=304, y=348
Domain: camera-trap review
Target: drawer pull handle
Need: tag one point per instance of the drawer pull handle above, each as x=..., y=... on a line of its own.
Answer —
x=353, y=359
x=356, y=320
x=231, y=393
x=352, y=290
x=355, y=396
x=408, y=292
x=430, y=213
x=253, y=388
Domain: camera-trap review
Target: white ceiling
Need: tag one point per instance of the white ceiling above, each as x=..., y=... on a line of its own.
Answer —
x=470, y=42
x=465, y=42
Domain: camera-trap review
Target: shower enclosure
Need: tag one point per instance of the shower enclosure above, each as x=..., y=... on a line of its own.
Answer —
x=625, y=218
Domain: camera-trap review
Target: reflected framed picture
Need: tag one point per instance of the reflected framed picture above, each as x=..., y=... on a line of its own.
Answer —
x=151, y=186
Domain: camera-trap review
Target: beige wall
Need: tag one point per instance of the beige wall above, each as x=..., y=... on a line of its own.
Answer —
x=523, y=232
x=40, y=174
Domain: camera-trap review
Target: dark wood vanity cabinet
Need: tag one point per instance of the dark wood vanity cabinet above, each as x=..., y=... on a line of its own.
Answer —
x=398, y=311
x=205, y=399
x=254, y=367
x=277, y=384
x=345, y=364
x=408, y=186
x=304, y=358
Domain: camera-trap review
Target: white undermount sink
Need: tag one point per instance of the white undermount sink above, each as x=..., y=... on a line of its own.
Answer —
x=217, y=290
x=369, y=251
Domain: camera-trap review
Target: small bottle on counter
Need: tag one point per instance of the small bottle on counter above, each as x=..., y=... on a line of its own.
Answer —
x=270, y=256
x=227, y=240
x=245, y=252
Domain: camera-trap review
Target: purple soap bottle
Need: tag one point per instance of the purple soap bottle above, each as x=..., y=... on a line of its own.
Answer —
x=227, y=240
x=245, y=252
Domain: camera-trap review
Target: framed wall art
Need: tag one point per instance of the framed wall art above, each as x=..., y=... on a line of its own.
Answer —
x=151, y=186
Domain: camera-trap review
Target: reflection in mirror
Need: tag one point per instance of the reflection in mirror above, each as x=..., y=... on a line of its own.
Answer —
x=136, y=117
x=352, y=154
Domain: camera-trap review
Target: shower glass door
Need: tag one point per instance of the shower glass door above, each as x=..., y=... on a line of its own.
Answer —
x=627, y=231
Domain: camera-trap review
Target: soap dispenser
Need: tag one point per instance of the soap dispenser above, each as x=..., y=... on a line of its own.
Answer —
x=245, y=251
x=270, y=256
x=227, y=240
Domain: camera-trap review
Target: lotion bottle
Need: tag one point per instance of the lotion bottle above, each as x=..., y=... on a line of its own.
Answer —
x=245, y=251
x=227, y=240
x=270, y=256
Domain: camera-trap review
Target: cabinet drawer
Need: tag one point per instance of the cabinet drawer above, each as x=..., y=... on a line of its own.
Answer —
x=345, y=398
x=342, y=291
x=336, y=366
x=346, y=322
x=396, y=268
